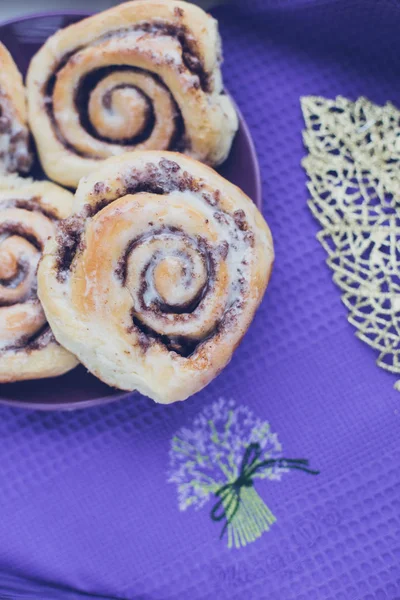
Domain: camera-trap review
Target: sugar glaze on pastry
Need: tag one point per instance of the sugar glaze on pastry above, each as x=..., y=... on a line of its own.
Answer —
x=144, y=75
x=156, y=276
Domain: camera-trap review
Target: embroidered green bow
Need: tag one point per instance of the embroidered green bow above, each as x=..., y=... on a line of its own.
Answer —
x=229, y=495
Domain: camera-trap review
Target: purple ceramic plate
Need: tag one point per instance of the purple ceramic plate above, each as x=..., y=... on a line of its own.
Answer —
x=78, y=389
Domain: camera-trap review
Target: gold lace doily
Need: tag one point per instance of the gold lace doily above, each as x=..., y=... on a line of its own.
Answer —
x=353, y=167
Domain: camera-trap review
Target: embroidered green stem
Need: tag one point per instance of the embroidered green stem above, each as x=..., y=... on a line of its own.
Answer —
x=249, y=518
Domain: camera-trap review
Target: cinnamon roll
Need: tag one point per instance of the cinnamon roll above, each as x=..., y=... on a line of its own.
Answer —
x=28, y=214
x=156, y=276
x=15, y=155
x=144, y=75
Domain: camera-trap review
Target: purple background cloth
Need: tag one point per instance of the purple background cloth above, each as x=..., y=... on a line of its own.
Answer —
x=86, y=510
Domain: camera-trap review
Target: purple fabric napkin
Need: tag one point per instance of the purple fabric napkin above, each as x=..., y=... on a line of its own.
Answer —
x=136, y=501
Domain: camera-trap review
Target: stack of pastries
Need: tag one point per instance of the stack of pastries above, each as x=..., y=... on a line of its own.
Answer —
x=151, y=271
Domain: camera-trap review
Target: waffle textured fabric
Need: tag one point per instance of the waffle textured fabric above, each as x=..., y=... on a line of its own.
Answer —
x=199, y=500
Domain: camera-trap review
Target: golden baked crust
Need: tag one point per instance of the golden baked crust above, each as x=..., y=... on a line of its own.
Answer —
x=28, y=213
x=144, y=75
x=15, y=155
x=156, y=276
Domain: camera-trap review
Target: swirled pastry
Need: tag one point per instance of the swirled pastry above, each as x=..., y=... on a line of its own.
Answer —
x=28, y=213
x=15, y=155
x=154, y=279
x=144, y=75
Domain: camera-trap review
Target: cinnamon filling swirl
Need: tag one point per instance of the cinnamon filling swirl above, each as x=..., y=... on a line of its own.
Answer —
x=31, y=205
x=39, y=340
x=170, y=274
x=143, y=76
x=29, y=211
x=24, y=229
x=156, y=277
x=126, y=105
x=173, y=283
x=110, y=88
x=157, y=178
